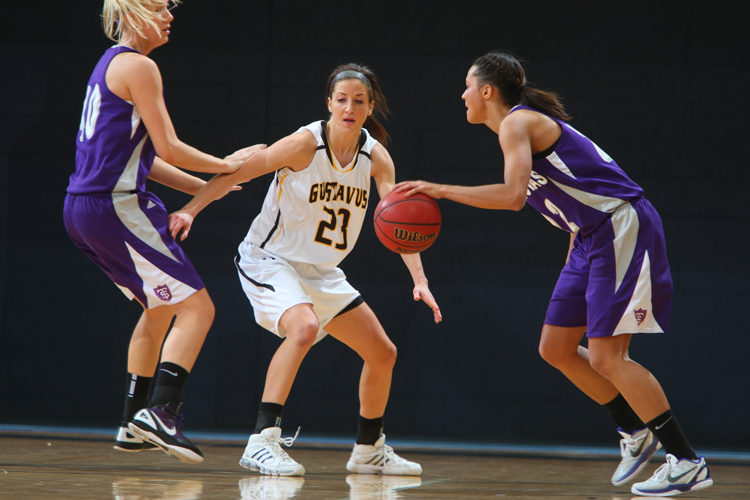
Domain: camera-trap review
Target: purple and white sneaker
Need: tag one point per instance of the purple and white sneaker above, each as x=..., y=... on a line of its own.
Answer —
x=675, y=477
x=162, y=426
x=636, y=450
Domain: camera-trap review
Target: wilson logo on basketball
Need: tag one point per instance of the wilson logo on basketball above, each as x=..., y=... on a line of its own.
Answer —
x=640, y=315
x=416, y=237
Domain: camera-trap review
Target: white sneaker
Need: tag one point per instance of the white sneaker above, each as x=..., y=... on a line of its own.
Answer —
x=270, y=488
x=264, y=454
x=675, y=477
x=369, y=487
x=636, y=450
x=380, y=459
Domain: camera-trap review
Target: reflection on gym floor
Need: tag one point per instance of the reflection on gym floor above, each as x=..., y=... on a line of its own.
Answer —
x=63, y=468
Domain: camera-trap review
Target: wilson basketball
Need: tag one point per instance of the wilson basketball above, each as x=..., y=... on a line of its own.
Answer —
x=407, y=225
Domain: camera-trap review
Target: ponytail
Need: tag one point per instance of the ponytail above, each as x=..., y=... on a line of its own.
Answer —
x=375, y=94
x=546, y=102
x=503, y=71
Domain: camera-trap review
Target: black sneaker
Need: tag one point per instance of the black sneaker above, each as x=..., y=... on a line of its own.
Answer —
x=162, y=426
x=126, y=441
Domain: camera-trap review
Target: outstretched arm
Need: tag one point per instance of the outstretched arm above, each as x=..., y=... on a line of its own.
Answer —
x=171, y=176
x=511, y=195
x=295, y=151
x=136, y=78
x=384, y=173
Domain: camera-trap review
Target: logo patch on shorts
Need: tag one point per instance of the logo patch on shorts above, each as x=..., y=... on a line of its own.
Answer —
x=640, y=315
x=165, y=294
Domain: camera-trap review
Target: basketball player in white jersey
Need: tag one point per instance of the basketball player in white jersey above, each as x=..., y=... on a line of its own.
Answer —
x=310, y=221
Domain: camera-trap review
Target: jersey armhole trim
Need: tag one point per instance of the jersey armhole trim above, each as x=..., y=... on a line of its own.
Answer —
x=544, y=154
x=273, y=229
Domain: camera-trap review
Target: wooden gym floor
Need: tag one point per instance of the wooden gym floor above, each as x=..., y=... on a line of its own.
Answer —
x=64, y=467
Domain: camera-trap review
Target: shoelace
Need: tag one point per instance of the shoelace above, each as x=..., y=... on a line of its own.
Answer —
x=390, y=455
x=289, y=441
x=277, y=450
x=629, y=444
x=661, y=472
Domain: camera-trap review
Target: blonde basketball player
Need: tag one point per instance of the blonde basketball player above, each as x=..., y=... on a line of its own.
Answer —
x=287, y=264
x=125, y=137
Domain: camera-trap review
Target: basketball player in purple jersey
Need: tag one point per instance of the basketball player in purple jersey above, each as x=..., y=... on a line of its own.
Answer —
x=122, y=227
x=616, y=281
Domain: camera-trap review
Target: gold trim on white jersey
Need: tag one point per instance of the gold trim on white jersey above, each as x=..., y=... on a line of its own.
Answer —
x=315, y=215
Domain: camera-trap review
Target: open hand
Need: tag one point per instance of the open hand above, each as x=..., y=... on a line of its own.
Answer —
x=422, y=292
x=239, y=157
x=412, y=187
x=180, y=221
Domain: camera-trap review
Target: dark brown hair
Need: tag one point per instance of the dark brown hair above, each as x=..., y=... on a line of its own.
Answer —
x=503, y=71
x=372, y=124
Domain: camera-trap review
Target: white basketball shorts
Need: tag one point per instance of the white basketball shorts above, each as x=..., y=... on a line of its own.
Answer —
x=274, y=285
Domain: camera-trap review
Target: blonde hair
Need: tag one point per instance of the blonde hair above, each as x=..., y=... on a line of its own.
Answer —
x=139, y=14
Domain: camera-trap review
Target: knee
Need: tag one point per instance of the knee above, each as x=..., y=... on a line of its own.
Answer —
x=553, y=354
x=304, y=333
x=199, y=304
x=208, y=310
x=385, y=357
x=603, y=364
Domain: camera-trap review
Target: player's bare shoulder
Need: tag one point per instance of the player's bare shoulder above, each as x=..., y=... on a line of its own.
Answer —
x=130, y=70
x=295, y=151
x=134, y=65
x=516, y=127
x=381, y=161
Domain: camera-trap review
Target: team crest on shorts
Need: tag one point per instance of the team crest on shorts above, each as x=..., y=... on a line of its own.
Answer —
x=165, y=294
x=640, y=315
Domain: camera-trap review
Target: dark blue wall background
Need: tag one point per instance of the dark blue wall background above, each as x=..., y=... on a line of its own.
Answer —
x=662, y=88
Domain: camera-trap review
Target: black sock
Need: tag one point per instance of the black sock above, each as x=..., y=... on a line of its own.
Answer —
x=269, y=415
x=623, y=415
x=668, y=432
x=369, y=430
x=136, y=395
x=169, y=381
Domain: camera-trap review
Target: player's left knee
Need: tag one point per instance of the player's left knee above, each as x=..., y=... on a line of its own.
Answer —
x=198, y=304
x=385, y=357
x=604, y=365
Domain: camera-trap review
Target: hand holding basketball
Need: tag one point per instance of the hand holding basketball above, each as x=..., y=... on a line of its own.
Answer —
x=409, y=188
x=407, y=224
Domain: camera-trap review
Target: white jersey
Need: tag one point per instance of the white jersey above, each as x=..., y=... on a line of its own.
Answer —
x=315, y=215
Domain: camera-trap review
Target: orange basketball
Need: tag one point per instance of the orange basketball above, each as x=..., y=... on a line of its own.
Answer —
x=407, y=225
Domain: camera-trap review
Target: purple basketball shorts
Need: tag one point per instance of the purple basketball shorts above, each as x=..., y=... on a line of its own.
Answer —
x=617, y=279
x=127, y=236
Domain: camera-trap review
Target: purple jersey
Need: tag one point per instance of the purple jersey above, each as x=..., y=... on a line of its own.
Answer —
x=575, y=185
x=113, y=150
x=109, y=214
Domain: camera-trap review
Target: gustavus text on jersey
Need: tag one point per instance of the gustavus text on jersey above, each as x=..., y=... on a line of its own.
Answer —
x=333, y=191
